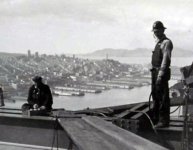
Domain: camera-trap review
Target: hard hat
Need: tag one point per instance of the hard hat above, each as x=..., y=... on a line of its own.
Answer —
x=37, y=79
x=158, y=25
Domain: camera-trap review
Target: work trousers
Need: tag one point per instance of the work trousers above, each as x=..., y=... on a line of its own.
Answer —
x=27, y=106
x=2, y=99
x=161, y=100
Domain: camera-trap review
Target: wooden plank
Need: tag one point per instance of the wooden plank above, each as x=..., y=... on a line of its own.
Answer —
x=126, y=112
x=93, y=133
x=127, y=138
x=169, y=129
x=84, y=136
x=176, y=124
x=119, y=107
x=10, y=111
x=17, y=146
x=139, y=114
x=9, y=108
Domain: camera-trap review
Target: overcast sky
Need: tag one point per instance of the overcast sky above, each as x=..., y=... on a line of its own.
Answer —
x=81, y=26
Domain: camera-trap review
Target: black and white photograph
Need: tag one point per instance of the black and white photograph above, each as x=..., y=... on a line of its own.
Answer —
x=96, y=74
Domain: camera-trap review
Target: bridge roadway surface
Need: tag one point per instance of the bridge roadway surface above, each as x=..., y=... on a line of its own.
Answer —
x=93, y=133
x=14, y=146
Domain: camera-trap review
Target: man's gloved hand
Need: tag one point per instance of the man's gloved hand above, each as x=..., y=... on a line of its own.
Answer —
x=35, y=106
x=158, y=81
x=42, y=107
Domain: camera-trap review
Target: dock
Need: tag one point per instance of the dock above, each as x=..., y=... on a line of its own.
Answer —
x=78, y=89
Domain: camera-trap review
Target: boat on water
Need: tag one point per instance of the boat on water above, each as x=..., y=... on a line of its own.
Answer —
x=67, y=93
x=111, y=84
x=76, y=89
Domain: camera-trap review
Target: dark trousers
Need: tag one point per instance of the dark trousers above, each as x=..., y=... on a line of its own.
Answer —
x=1, y=99
x=26, y=107
x=161, y=100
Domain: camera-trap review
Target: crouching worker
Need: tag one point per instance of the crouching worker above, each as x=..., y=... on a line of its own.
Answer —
x=39, y=96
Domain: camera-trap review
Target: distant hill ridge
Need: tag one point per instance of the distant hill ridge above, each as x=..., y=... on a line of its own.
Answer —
x=140, y=52
x=10, y=54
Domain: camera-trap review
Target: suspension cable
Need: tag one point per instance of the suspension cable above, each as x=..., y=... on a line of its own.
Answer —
x=175, y=110
x=55, y=133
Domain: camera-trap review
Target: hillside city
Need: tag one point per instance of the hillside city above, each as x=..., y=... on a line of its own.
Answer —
x=17, y=70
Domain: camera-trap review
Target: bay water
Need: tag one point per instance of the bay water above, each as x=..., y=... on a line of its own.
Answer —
x=112, y=97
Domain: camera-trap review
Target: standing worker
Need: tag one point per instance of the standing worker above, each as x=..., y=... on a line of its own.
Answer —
x=161, y=59
x=1, y=96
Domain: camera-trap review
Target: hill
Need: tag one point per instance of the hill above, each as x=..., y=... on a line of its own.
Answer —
x=10, y=54
x=140, y=52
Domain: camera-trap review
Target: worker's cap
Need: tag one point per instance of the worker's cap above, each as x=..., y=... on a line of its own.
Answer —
x=157, y=26
x=37, y=79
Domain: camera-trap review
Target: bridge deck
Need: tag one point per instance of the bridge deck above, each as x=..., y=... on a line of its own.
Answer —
x=94, y=133
x=16, y=146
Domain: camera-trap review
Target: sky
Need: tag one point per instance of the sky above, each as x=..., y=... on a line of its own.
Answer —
x=83, y=26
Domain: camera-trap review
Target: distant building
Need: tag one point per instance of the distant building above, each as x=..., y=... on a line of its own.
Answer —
x=36, y=55
x=107, y=56
x=43, y=55
x=29, y=54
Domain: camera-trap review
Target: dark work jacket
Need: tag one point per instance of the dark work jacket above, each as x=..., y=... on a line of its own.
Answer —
x=161, y=57
x=41, y=96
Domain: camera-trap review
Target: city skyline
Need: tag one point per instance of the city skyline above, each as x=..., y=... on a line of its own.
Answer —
x=62, y=27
